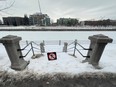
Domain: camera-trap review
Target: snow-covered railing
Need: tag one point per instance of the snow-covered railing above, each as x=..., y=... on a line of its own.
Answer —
x=95, y=50
x=14, y=51
x=54, y=42
x=75, y=43
x=31, y=49
x=31, y=44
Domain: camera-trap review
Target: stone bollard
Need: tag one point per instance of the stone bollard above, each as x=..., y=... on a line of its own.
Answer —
x=65, y=47
x=11, y=44
x=98, y=43
x=42, y=47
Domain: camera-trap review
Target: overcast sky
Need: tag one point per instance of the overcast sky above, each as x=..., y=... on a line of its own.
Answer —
x=81, y=9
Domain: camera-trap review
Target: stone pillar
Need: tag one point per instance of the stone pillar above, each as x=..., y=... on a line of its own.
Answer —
x=11, y=44
x=42, y=47
x=98, y=43
x=65, y=47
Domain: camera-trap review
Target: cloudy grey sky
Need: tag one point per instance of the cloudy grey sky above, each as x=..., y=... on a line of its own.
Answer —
x=81, y=9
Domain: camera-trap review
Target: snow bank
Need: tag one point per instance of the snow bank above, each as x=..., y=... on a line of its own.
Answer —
x=57, y=27
x=64, y=63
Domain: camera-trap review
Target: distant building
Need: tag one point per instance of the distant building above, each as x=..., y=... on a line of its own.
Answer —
x=39, y=19
x=106, y=22
x=15, y=21
x=113, y=22
x=67, y=21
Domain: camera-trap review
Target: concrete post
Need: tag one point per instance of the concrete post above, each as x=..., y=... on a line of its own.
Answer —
x=42, y=47
x=75, y=44
x=11, y=44
x=59, y=42
x=98, y=43
x=65, y=47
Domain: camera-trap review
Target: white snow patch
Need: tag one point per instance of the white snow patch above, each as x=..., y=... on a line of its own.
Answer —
x=64, y=63
x=57, y=27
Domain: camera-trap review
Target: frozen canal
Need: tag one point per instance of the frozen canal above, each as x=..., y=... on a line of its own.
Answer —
x=57, y=35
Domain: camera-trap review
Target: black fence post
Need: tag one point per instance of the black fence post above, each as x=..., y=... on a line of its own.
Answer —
x=32, y=49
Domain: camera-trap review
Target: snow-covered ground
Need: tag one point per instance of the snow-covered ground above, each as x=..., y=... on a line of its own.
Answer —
x=57, y=27
x=64, y=63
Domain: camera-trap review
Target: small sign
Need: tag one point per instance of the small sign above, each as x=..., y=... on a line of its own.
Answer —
x=52, y=56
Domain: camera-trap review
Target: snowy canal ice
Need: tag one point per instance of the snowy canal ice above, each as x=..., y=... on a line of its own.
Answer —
x=57, y=35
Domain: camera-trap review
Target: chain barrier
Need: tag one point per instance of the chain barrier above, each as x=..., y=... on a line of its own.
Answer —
x=75, y=43
x=31, y=49
x=65, y=48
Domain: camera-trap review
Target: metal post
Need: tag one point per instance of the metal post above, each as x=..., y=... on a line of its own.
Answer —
x=75, y=47
x=32, y=49
x=27, y=42
x=98, y=43
x=11, y=44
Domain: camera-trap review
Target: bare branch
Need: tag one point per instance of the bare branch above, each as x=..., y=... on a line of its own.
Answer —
x=8, y=6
